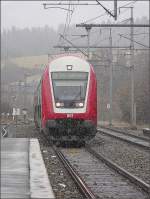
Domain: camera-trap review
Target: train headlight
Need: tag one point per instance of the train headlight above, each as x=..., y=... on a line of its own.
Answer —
x=59, y=104
x=79, y=104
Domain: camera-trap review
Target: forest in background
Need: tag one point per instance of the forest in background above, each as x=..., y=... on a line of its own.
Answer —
x=40, y=41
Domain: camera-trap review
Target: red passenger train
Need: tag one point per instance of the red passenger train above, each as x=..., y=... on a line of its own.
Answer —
x=65, y=102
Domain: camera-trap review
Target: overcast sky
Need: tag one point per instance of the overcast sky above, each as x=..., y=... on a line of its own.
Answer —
x=32, y=14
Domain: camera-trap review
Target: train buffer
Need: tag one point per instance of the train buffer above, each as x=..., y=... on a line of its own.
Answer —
x=23, y=173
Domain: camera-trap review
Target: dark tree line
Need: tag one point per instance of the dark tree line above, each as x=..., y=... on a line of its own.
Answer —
x=38, y=41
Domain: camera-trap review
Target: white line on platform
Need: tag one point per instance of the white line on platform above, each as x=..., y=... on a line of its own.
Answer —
x=39, y=183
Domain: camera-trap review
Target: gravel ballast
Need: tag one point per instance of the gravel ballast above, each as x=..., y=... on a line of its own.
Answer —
x=130, y=157
x=62, y=184
x=135, y=160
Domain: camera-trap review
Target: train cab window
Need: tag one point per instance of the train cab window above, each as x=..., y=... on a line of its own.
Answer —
x=69, y=88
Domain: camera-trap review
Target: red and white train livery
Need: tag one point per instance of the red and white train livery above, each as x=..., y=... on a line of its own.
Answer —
x=65, y=102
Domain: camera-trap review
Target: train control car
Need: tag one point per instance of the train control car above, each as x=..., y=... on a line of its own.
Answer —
x=65, y=102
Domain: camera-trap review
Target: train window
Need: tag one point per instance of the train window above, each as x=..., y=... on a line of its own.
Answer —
x=69, y=88
x=70, y=75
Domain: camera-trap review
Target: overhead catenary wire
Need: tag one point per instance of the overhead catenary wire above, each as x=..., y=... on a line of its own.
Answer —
x=104, y=14
x=100, y=33
x=68, y=20
x=100, y=30
x=67, y=16
x=65, y=28
x=73, y=45
x=134, y=41
x=69, y=7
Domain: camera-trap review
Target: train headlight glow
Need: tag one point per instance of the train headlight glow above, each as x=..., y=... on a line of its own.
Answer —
x=80, y=104
x=59, y=104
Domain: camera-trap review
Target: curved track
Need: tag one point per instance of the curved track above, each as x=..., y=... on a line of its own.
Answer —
x=136, y=140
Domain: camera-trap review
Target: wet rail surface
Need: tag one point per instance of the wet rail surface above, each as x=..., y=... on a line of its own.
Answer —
x=100, y=178
x=136, y=140
x=127, y=132
x=137, y=181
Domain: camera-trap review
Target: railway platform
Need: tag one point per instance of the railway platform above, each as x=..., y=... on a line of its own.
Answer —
x=23, y=173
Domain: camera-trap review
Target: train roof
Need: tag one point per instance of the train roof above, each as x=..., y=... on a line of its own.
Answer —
x=61, y=63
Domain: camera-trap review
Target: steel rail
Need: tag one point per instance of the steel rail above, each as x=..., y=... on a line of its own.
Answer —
x=139, y=144
x=67, y=47
x=81, y=184
x=120, y=170
x=85, y=190
x=112, y=25
x=79, y=181
x=126, y=133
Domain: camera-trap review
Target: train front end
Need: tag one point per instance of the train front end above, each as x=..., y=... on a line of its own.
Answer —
x=73, y=100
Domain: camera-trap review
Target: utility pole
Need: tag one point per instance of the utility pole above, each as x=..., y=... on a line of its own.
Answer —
x=133, y=105
x=111, y=79
x=149, y=70
x=88, y=40
x=132, y=68
x=74, y=45
x=20, y=93
x=25, y=90
x=55, y=4
x=131, y=25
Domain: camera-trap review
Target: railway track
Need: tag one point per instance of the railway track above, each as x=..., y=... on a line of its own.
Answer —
x=85, y=190
x=98, y=177
x=127, y=133
x=127, y=137
x=120, y=170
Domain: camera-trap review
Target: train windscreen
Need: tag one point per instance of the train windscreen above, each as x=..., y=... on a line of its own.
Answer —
x=69, y=89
